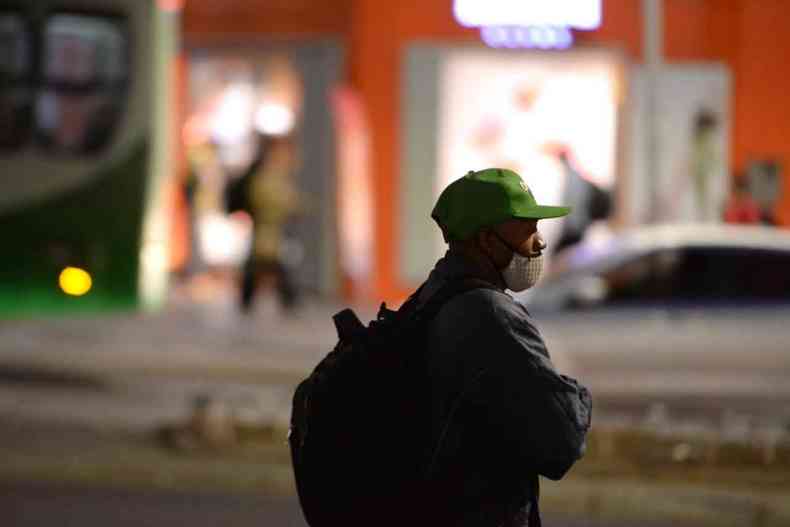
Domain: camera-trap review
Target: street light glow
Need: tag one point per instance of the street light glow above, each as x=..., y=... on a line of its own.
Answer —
x=75, y=281
x=274, y=119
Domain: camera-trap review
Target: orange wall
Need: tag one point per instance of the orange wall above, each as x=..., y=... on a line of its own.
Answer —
x=762, y=115
x=700, y=29
x=379, y=33
x=218, y=19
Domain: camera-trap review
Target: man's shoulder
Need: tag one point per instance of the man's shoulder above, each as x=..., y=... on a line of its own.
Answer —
x=486, y=310
x=482, y=303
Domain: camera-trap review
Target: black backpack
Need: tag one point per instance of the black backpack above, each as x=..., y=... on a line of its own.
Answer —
x=236, y=194
x=360, y=435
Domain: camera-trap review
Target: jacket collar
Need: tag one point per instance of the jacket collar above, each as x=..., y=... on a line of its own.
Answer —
x=455, y=265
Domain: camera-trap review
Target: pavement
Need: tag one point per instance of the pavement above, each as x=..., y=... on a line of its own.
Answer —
x=36, y=505
x=78, y=381
x=137, y=369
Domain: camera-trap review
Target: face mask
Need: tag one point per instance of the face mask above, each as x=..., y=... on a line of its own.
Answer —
x=522, y=272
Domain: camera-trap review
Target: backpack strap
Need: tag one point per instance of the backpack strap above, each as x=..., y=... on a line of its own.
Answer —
x=347, y=324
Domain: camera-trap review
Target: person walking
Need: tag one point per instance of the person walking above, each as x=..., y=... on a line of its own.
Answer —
x=273, y=199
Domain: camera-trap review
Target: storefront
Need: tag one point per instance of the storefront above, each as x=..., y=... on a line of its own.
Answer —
x=731, y=52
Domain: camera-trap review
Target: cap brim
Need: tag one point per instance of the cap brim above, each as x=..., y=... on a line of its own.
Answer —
x=542, y=212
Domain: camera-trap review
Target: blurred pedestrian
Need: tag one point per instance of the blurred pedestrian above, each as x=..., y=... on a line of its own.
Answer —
x=741, y=207
x=589, y=202
x=273, y=199
x=705, y=163
x=501, y=413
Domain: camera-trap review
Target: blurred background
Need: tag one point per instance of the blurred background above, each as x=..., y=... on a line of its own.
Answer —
x=189, y=190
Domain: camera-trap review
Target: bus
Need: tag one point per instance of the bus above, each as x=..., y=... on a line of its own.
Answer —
x=86, y=149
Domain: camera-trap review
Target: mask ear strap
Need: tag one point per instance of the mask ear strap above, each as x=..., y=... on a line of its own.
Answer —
x=503, y=242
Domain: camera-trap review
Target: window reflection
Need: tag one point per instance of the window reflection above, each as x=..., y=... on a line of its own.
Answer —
x=14, y=48
x=85, y=69
x=82, y=50
x=15, y=73
x=76, y=122
x=649, y=278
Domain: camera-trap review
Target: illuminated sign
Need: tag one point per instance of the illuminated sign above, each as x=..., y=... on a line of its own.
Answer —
x=512, y=37
x=578, y=14
x=528, y=23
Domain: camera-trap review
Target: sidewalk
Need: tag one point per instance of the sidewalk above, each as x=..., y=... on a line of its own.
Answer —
x=184, y=340
x=134, y=370
x=80, y=399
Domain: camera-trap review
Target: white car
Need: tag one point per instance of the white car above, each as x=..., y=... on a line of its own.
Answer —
x=693, y=316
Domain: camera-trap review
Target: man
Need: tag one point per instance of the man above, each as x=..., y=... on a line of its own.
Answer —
x=501, y=414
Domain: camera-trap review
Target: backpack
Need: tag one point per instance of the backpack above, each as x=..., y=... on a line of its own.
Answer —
x=360, y=431
x=235, y=196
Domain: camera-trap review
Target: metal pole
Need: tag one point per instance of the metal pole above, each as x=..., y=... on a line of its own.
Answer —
x=653, y=44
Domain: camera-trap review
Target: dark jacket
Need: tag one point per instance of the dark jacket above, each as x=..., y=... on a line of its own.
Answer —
x=501, y=413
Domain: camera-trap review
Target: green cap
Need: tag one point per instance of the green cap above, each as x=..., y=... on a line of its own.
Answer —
x=486, y=198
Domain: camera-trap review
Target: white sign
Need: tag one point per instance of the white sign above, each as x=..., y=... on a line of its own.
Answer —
x=692, y=162
x=578, y=14
x=518, y=111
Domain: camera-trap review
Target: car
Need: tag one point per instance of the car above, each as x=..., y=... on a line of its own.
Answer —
x=694, y=317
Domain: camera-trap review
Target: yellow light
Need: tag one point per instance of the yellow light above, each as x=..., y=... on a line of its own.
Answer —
x=75, y=281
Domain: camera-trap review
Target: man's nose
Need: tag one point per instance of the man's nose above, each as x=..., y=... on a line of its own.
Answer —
x=538, y=244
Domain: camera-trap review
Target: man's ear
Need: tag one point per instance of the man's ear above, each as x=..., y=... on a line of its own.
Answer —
x=483, y=240
x=494, y=248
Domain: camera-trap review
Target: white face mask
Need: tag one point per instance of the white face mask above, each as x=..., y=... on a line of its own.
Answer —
x=522, y=272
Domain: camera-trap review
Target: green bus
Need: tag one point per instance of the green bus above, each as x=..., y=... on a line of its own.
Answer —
x=86, y=145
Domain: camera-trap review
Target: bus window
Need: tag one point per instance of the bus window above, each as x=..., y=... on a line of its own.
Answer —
x=15, y=78
x=84, y=76
x=84, y=50
x=77, y=122
x=15, y=63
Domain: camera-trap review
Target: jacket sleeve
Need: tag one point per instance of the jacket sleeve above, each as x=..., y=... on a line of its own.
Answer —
x=541, y=415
